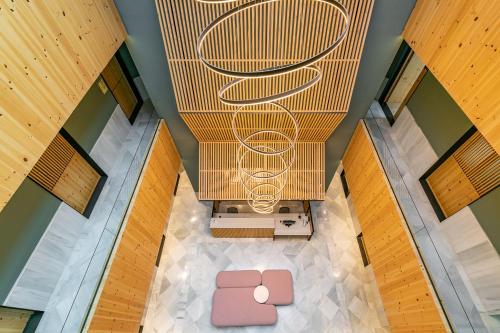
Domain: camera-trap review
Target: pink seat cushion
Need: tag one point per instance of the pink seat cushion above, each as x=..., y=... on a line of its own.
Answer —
x=238, y=279
x=280, y=285
x=237, y=307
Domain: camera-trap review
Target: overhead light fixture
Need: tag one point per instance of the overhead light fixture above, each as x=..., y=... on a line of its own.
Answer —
x=263, y=168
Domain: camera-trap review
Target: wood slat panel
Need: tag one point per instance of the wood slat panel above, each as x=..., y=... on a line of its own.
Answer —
x=51, y=165
x=276, y=37
x=451, y=187
x=52, y=52
x=112, y=73
x=458, y=40
x=480, y=163
x=242, y=232
x=409, y=300
x=469, y=173
x=121, y=301
x=313, y=127
x=218, y=174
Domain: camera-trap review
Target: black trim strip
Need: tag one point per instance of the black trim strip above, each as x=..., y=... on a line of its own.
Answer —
x=345, y=187
x=362, y=249
x=176, y=184
x=160, y=251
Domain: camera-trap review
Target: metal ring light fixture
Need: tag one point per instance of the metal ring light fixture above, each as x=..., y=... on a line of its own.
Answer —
x=270, y=71
x=271, y=98
x=254, y=182
x=243, y=141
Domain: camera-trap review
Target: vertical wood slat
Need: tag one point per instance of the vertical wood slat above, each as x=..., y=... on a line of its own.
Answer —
x=51, y=165
x=64, y=172
x=219, y=181
x=121, y=301
x=458, y=40
x=407, y=294
x=52, y=52
x=469, y=173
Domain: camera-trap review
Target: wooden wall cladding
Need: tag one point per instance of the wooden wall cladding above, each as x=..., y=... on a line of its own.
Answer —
x=120, y=304
x=13, y=320
x=52, y=52
x=219, y=181
x=407, y=295
x=62, y=171
x=458, y=40
x=120, y=88
x=196, y=88
x=469, y=173
x=242, y=232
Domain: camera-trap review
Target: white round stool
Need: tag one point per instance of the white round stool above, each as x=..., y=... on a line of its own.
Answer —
x=261, y=294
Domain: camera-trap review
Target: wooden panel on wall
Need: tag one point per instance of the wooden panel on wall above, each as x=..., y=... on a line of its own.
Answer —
x=409, y=300
x=458, y=40
x=242, y=232
x=219, y=181
x=13, y=320
x=62, y=171
x=52, y=52
x=120, y=303
x=451, y=187
x=120, y=87
x=469, y=173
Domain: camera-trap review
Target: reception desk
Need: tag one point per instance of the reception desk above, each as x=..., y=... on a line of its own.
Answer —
x=247, y=225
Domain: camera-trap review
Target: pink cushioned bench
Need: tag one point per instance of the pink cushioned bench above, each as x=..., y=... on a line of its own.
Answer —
x=234, y=304
x=237, y=307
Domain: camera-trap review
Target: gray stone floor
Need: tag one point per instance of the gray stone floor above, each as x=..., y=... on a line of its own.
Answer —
x=333, y=291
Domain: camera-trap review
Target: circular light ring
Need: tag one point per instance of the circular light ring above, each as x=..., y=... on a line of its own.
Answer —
x=271, y=98
x=291, y=141
x=264, y=203
x=286, y=166
x=279, y=188
x=270, y=71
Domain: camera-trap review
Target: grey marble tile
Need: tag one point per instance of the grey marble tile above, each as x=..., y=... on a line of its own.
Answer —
x=330, y=282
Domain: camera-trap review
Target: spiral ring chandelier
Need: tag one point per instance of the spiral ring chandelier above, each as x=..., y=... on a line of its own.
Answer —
x=263, y=184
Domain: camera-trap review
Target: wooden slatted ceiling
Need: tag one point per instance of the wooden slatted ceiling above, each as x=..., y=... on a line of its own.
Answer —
x=121, y=301
x=407, y=295
x=458, y=40
x=275, y=26
x=52, y=51
x=218, y=176
x=313, y=127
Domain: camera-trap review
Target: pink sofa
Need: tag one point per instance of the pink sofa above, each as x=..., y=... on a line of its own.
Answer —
x=234, y=304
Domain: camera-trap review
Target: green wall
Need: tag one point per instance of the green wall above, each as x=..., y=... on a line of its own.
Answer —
x=22, y=223
x=29, y=212
x=487, y=212
x=90, y=116
x=128, y=61
x=437, y=114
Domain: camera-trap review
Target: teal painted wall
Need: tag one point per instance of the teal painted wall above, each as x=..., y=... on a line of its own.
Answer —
x=128, y=61
x=90, y=117
x=487, y=212
x=22, y=223
x=436, y=113
x=26, y=216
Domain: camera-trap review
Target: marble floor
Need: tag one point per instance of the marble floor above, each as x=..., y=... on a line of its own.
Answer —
x=333, y=291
